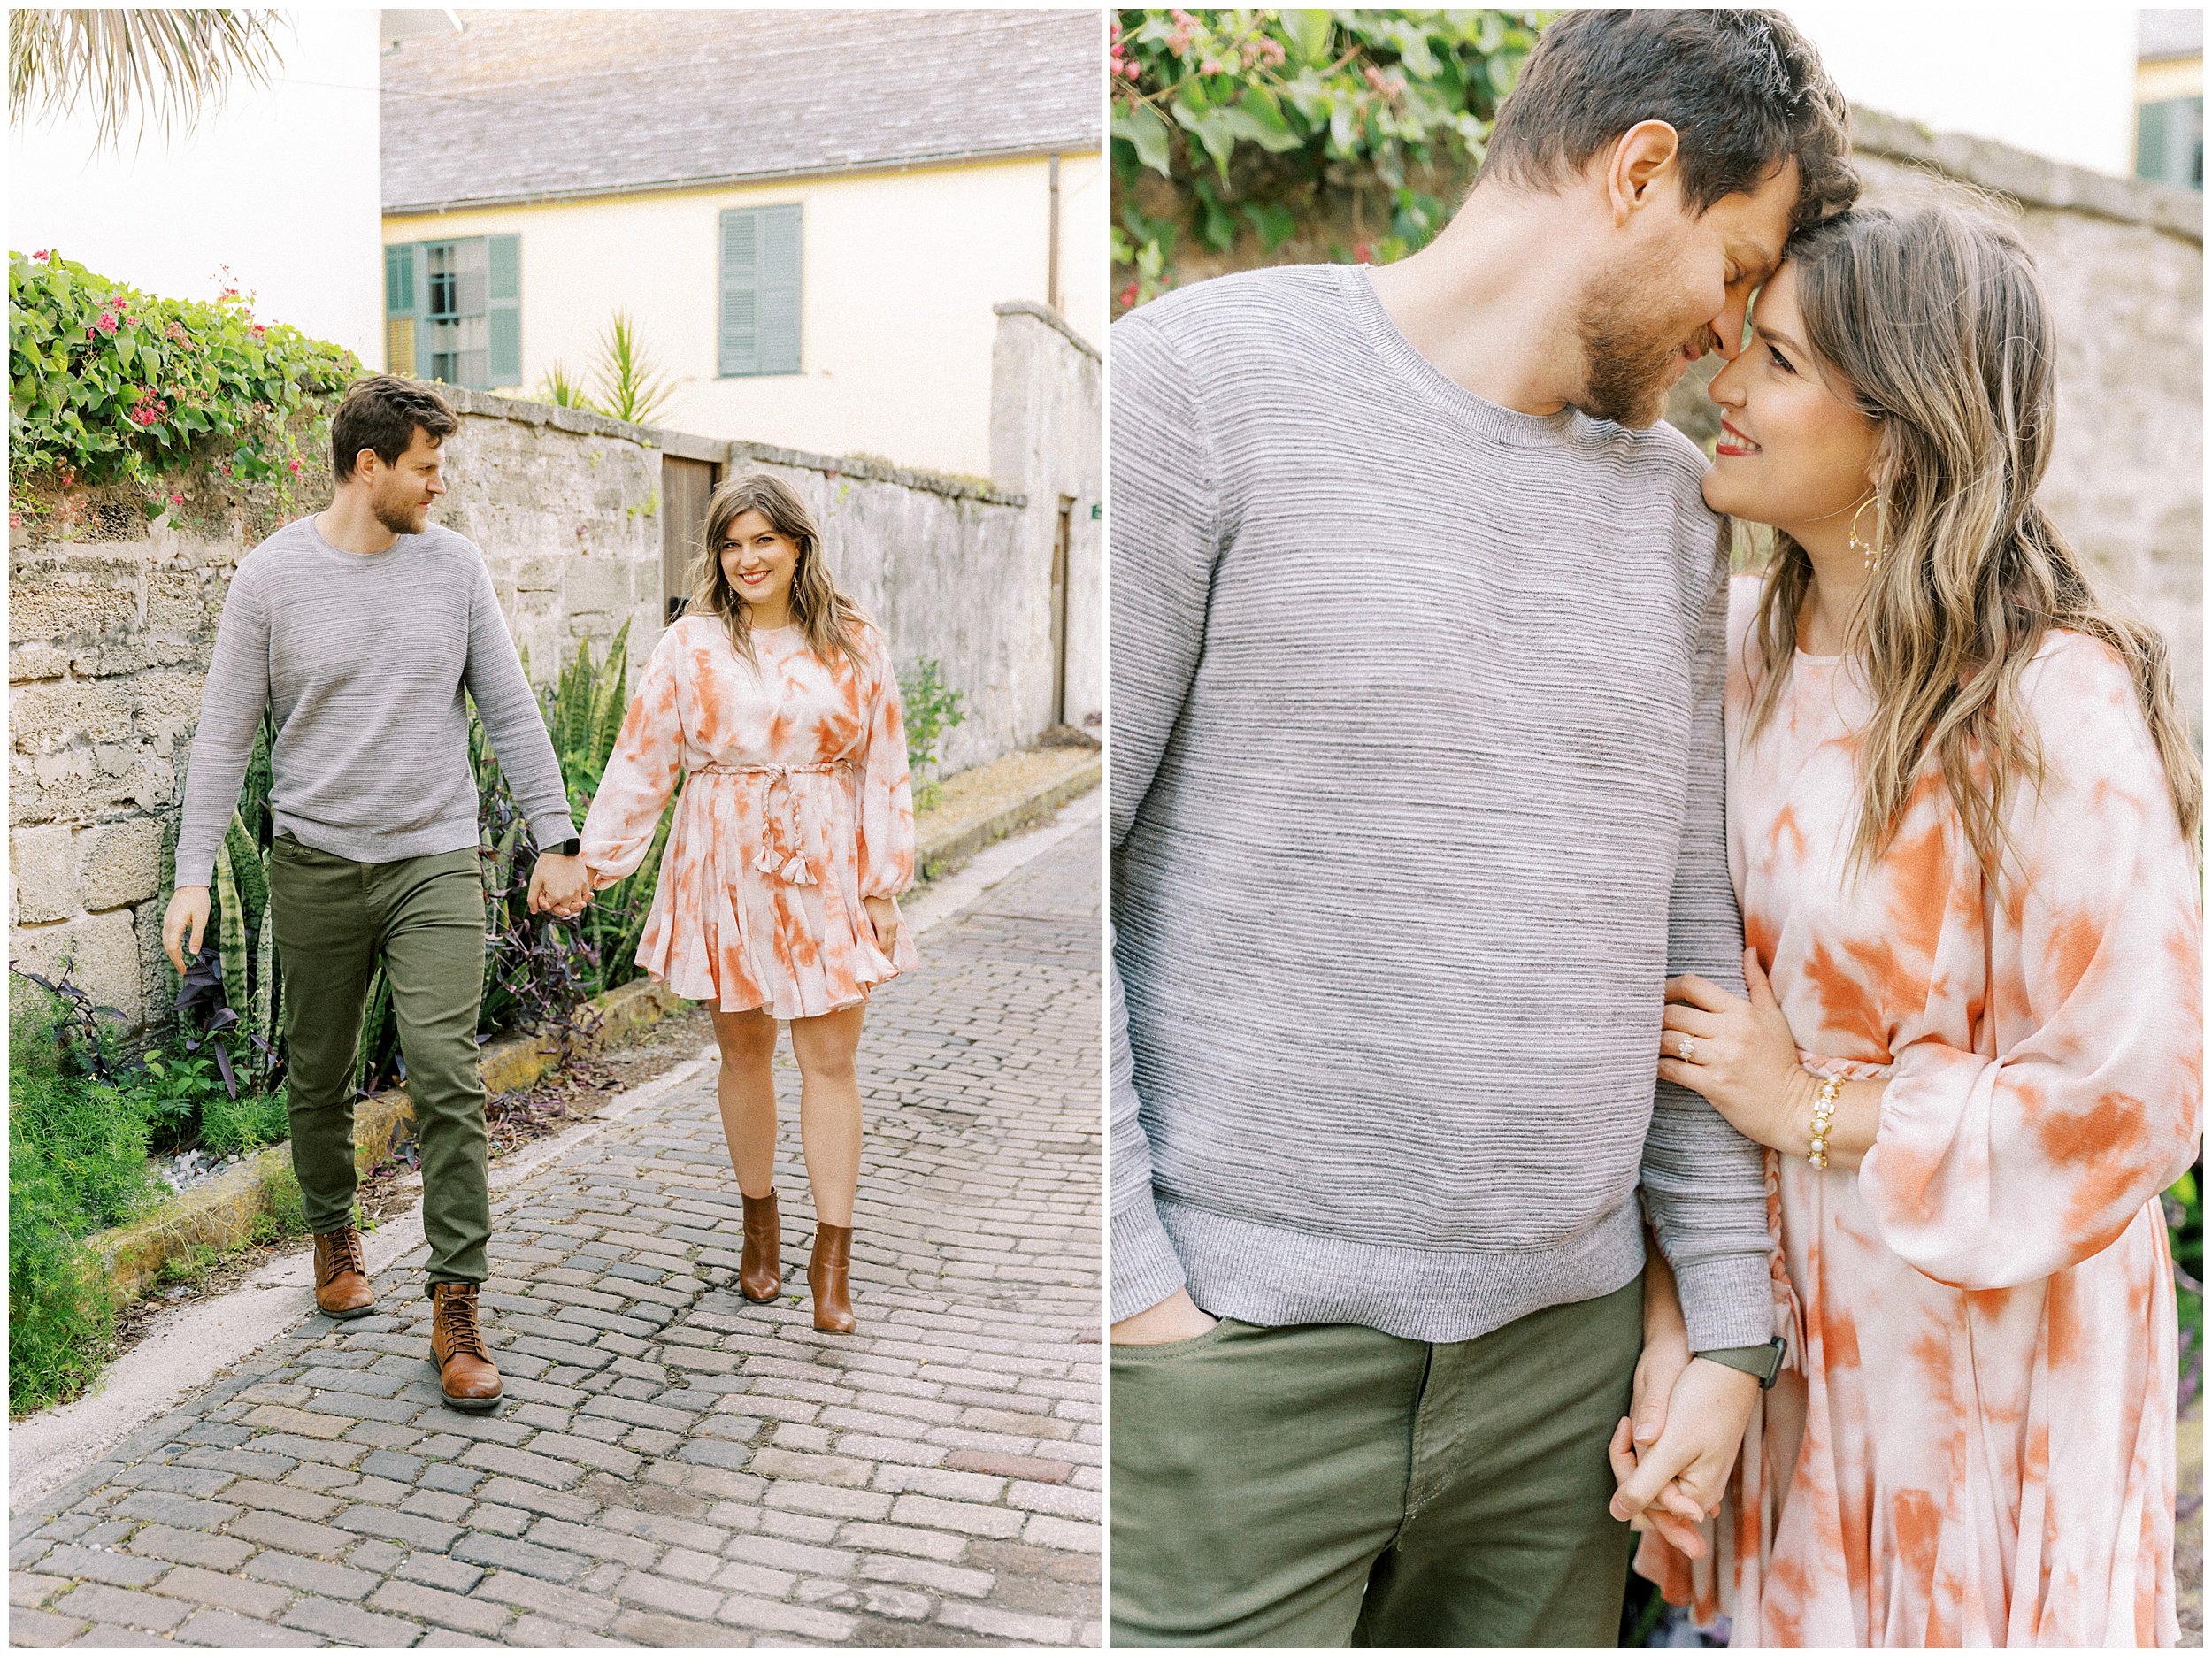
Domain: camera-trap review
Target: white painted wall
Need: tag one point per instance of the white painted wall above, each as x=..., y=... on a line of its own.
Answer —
x=280, y=183
x=2056, y=82
x=899, y=272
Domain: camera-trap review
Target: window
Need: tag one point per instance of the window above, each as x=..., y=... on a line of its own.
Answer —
x=453, y=310
x=759, y=327
x=2170, y=141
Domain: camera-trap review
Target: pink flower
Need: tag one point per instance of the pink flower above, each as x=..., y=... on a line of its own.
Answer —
x=176, y=497
x=39, y=258
x=15, y=519
x=1129, y=294
x=294, y=466
x=1362, y=252
x=256, y=331
x=106, y=324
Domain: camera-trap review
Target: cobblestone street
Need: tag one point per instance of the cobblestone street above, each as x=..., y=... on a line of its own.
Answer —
x=673, y=1466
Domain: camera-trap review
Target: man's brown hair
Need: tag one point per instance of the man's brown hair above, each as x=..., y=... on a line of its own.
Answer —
x=1743, y=90
x=383, y=412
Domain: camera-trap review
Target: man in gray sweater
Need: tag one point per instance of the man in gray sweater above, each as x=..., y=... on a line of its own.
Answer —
x=360, y=629
x=1418, y=657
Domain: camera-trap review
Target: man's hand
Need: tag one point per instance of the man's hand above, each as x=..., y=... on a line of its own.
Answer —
x=883, y=914
x=560, y=885
x=1175, y=1318
x=186, y=914
x=1705, y=1420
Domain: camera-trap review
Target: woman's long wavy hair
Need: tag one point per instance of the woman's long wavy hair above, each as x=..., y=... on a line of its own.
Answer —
x=831, y=620
x=1933, y=320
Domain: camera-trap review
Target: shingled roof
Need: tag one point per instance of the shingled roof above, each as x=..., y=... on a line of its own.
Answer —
x=536, y=105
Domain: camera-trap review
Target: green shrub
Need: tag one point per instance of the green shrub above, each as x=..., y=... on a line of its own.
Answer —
x=76, y=1163
x=930, y=708
x=244, y=1124
x=106, y=383
x=1247, y=112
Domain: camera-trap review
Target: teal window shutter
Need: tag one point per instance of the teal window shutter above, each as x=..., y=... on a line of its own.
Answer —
x=780, y=290
x=503, y=304
x=759, y=324
x=399, y=309
x=740, y=329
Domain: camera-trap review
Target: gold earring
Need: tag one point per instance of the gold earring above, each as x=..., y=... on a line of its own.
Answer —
x=1869, y=554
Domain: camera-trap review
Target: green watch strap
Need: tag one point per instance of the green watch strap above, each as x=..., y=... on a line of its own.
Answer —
x=1763, y=1360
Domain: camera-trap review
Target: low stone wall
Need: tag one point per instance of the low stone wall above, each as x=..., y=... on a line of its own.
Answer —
x=109, y=639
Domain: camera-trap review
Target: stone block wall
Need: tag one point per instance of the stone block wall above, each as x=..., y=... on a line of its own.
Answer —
x=109, y=639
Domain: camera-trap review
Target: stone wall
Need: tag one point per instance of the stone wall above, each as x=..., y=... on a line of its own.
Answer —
x=109, y=639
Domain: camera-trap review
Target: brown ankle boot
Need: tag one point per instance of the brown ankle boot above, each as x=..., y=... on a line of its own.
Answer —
x=341, y=1275
x=760, y=1270
x=827, y=1275
x=466, y=1373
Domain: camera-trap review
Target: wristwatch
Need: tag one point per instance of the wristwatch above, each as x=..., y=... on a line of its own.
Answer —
x=1763, y=1361
x=569, y=848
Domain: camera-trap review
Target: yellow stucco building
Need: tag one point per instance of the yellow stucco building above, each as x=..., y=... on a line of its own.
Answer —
x=808, y=216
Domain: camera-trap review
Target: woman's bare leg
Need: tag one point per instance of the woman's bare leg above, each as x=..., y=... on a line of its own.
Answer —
x=829, y=1109
x=747, y=1092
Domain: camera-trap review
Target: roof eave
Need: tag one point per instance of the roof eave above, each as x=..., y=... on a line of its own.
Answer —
x=662, y=187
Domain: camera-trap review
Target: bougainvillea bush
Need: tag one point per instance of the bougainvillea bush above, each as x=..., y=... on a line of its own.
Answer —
x=109, y=385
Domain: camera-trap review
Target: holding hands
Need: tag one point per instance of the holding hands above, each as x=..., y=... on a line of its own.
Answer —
x=559, y=886
x=1673, y=1454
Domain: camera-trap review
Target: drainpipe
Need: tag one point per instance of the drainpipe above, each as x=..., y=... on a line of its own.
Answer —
x=1052, y=255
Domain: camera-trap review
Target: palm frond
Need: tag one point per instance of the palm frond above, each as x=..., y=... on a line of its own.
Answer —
x=134, y=61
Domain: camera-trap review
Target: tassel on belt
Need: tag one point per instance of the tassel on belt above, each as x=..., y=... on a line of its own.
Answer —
x=782, y=829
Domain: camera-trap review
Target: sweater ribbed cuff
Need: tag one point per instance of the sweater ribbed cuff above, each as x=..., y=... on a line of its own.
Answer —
x=1727, y=1303
x=552, y=829
x=1146, y=1268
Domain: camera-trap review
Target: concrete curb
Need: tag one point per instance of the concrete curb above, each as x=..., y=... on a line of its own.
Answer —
x=220, y=1214
x=936, y=854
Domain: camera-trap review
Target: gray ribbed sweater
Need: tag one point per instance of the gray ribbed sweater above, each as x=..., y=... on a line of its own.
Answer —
x=361, y=659
x=1416, y=802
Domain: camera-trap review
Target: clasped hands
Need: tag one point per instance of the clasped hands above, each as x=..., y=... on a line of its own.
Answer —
x=559, y=886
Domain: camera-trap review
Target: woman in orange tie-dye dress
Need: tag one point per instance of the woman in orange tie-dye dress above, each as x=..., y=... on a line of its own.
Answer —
x=1963, y=820
x=777, y=701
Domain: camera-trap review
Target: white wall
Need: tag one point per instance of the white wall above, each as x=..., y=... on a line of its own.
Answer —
x=899, y=273
x=2056, y=82
x=280, y=183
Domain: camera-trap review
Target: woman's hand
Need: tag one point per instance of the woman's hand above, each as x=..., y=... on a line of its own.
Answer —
x=1742, y=1056
x=883, y=914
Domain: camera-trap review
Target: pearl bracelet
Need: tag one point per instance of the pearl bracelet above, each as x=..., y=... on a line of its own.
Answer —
x=1823, y=1109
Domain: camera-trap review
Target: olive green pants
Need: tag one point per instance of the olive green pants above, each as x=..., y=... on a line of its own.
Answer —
x=1327, y=1484
x=423, y=917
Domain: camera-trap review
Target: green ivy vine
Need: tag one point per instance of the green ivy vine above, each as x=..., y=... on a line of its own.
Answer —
x=1246, y=110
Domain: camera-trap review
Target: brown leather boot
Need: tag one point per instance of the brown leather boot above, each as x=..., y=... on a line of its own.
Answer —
x=341, y=1275
x=827, y=1273
x=457, y=1347
x=760, y=1270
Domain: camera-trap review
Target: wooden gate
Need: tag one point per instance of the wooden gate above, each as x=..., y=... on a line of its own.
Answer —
x=686, y=485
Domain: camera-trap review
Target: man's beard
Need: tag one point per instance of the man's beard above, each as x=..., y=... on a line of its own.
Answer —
x=402, y=517
x=1629, y=366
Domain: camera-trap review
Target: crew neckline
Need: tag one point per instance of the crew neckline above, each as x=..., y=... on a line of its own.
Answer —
x=328, y=545
x=1490, y=420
